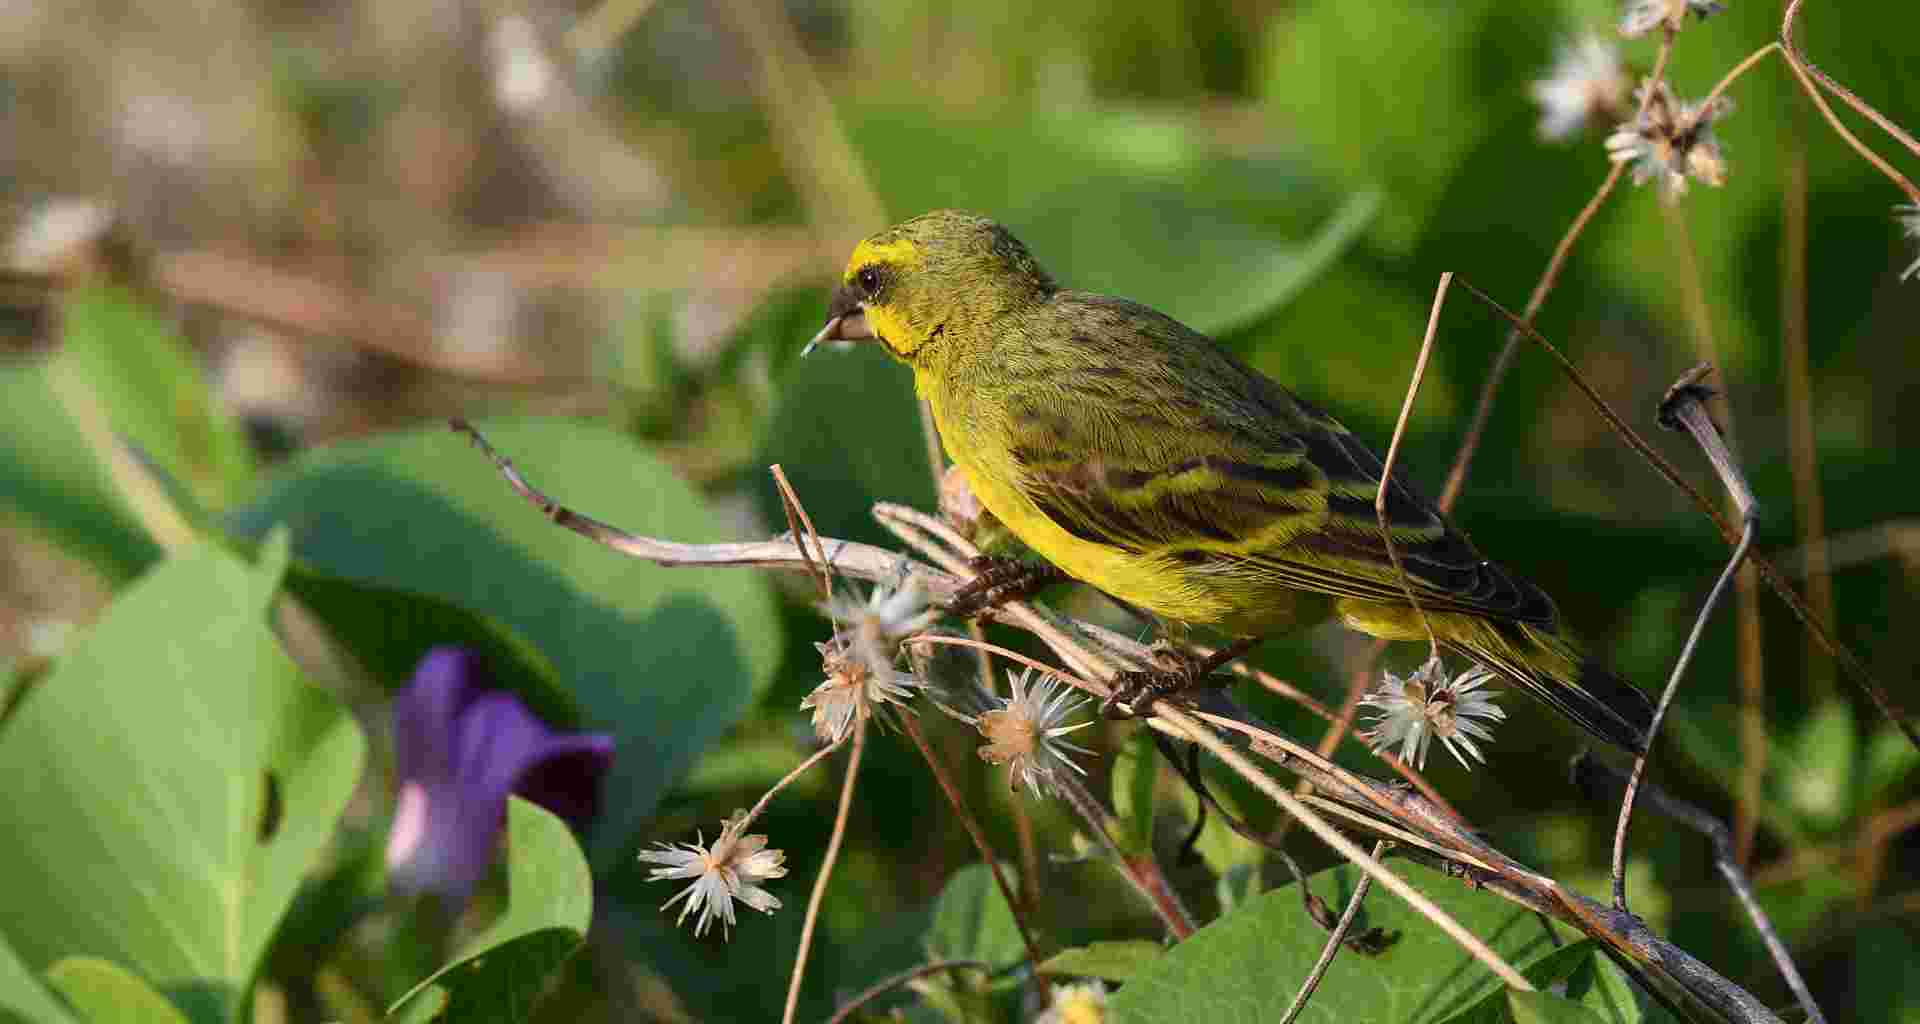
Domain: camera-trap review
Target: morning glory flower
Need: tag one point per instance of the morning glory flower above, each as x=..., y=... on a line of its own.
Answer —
x=459, y=749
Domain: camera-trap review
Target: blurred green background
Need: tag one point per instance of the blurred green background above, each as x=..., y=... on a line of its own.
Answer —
x=363, y=215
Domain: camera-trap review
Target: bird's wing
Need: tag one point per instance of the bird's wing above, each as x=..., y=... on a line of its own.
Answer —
x=1246, y=479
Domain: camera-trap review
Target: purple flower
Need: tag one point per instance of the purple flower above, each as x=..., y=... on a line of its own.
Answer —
x=459, y=749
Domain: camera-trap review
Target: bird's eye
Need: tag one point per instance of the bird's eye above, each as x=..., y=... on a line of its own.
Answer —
x=869, y=279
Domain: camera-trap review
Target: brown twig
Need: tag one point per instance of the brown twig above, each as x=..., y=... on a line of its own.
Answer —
x=1142, y=872
x=1497, y=373
x=1818, y=629
x=980, y=844
x=1589, y=770
x=1684, y=408
x=1862, y=107
x=1804, y=72
x=908, y=976
x=1334, y=940
x=790, y=504
x=826, y=869
x=1393, y=453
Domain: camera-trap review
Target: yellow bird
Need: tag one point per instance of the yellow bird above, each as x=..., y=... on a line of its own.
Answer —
x=1137, y=456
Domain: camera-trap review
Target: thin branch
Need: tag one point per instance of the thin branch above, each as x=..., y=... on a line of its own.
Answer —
x=799, y=770
x=790, y=504
x=1182, y=725
x=1588, y=769
x=1393, y=453
x=1334, y=940
x=826, y=869
x=1855, y=668
x=1143, y=872
x=1014, y=904
x=912, y=974
x=1861, y=106
x=1803, y=71
x=1705, y=105
x=1684, y=408
x=1483, y=410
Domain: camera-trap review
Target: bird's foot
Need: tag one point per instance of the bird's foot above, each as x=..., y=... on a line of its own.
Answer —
x=997, y=581
x=1174, y=672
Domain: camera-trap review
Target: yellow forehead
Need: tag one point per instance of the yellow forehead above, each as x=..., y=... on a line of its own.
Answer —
x=893, y=252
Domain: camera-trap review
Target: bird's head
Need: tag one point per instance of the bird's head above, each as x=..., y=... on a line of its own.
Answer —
x=909, y=285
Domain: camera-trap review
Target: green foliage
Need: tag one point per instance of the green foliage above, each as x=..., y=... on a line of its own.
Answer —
x=51, y=481
x=1111, y=961
x=499, y=973
x=665, y=659
x=1247, y=963
x=152, y=394
x=171, y=781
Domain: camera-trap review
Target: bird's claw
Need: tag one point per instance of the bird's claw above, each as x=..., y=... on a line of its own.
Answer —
x=997, y=581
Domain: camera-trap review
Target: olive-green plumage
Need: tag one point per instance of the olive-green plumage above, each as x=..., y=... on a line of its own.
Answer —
x=1142, y=458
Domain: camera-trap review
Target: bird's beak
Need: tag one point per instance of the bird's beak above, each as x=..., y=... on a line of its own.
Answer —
x=848, y=326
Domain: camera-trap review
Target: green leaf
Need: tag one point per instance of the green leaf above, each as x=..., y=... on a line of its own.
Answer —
x=22, y=996
x=169, y=783
x=971, y=920
x=50, y=478
x=1251, y=961
x=1112, y=961
x=1547, y=1008
x=1554, y=967
x=389, y=629
x=148, y=385
x=500, y=974
x=665, y=659
x=1136, y=769
x=103, y=992
x=1886, y=974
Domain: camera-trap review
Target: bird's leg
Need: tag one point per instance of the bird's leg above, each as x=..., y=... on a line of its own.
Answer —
x=1174, y=672
x=997, y=581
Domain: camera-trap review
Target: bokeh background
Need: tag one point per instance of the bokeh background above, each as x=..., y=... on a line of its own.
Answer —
x=364, y=216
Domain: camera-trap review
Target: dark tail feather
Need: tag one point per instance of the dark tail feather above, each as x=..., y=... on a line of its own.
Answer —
x=1599, y=701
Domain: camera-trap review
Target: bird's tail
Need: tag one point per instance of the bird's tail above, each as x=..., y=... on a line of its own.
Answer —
x=1580, y=688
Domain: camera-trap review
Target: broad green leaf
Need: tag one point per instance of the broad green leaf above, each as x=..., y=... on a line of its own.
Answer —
x=665, y=659
x=23, y=997
x=1547, y=1008
x=52, y=481
x=389, y=629
x=1251, y=961
x=1136, y=769
x=971, y=919
x=103, y=992
x=169, y=783
x=1112, y=961
x=500, y=974
x=1553, y=967
x=147, y=383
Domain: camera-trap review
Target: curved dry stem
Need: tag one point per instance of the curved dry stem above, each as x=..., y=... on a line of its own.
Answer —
x=906, y=977
x=1393, y=453
x=980, y=844
x=799, y=770
x=1801, y=73
x=1706, y=102
x=1660, y=712
x=1862, y=107
x=1814, y=626
x=826, y=870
